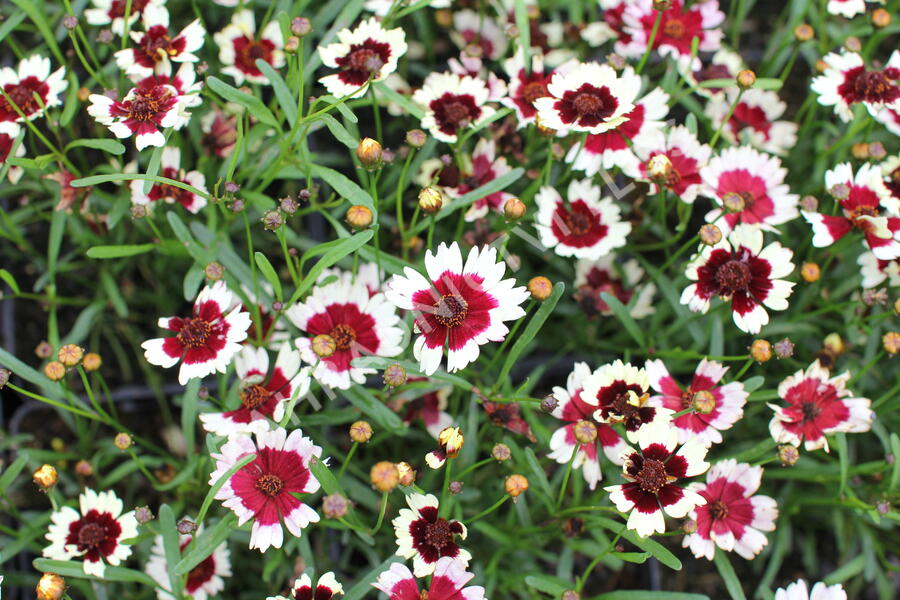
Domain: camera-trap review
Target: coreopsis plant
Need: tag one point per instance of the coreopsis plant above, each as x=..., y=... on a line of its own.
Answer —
x=511, y=300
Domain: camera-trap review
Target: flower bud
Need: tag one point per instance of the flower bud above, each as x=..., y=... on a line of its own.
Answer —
x=659, y=168
x=272, y=220
x=809, y=203
x=516, y=485
x=45, y=477
x=143, y=514
x=788, y=455
x=407, y=473
x=570, y=595
x=50, y=587
x=881, y=18
x=83, y=468
x=384, y=476
x=43, y=350
x=83, y=94
x=323, y=345
x=361, y=432
x=451, y=440
x=896, y=310
x=70, y=22
x=540, y=288
x=549, y=403
x=430, y=200
x=891, y=342
x=784, y=348
x=834, y=343
x=710, y=235
x=70, y=355
x=4, y=377
x=214, y=271
x=501, y=452
x=703, y=402
x=444, y=18
x=514, y=209
x=455, y=487
x=92, y=361
x=122, y=441
x=105, y=36
x=54, y=370
x=616, y=61
x=853, y=44
x=745, y=79
x=335, y=506
x=186, y=527
x=359, y=216
x=688, y=526
x=292, y=44
x=585, y=432
x=877, y=151
x=369, y=153
x=734, y=202
x=138, y=211
x=662, y=5
x=395, y=375
x=288, y=205
x=804, y=32
x=416, y=138
x=860, y=150
x=810, y=272
x=301, y=26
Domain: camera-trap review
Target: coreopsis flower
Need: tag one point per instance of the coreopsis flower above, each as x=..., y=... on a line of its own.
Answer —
x=206, y=341
x=185, y=83
x=425, y=537
x=606, y=275
x=9, y=133
x=326, y=588
x=205, y=580
x=452, y=103
x=572, y=408
x=613, y=148
x=738, y=269
x=473, y=66
x=875, y=271
x=265, y=489
x=471, y=28
x=156, y=49
x=359, y=324
x=430, y=408
x=112, y=12
x=679, y=25
x=32, y=77
x=588, y=97
x=748, y=187
x=685, y=156
x=240, y=47
x=848, y=8
x=867, y=206
x=890, y=118
x=169, y=166
x=525, y=87
x=734, y=516
x=93, y=533
x=367, y=274
x=715, y=407
x=364, y=54
x=584, y=227
x=656, y=475
x=890, y=171
x=219, y=132
x=486, y=166
x=618, y=393
x=817, y=405
x=754, y=120
x=846, y=82
x=382, y=7
x=263, y=394
x=462, y=306
x=449, y=583
x=820, y=591
x=450, y=442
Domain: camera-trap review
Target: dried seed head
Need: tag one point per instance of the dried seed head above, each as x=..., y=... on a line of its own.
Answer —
x=745, y=79
x=50, y=587
x=323, y=345
x=361, y=432
x=272, y=220
x=501, y=452
x=804, y=32
x=55, y=370
x=122, y=441
x=359, y=216
x=143, y=514
x=514, y=209
x=214, y=271
x=540, y=287
x=395, y=375
x=384, y=476
x=186, y=527
x=407, y=473
x=70, y=355
x=43, y=350
x=761, y=351
x=516, y=485
x=788, y=455
x=416, y=138
x=549, y=403
x=585, y=432
x=710, y=234
x=45, y=477
x=784, y=348
x=455, y=487
x=810, y=272
x=335, y=506
x=891, y=342
x=301, y=26
x=430, y=200
x=369, y=153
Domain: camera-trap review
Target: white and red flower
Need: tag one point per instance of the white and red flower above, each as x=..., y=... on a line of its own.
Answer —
x=471, y=28
x=156, y=49
x=875, y=271
x=365, y=54
x=265, y=489
x=621, y=280
x=367, y=274
x=723, y=405
x=618, y=393
x=169, y=166
x=588, y=97
x=820, y=591
x=206, y=341
x=748, y=187
x=9, y=133
x=584, y=227
x=204, y=581
x=890, y=118
x=462, y=307
x=473, y=66
x=890, y=170
x=94, y=533
x=867, y=205
x=846, y=82
x=613, y=148
x=359, y=325
x=452, y=103
x=326, y=588
x=112, y=12
x=734, y=516
x=817, y=405
x=656, y=475
x=738, y=269
x=240, y=47
x=848, y=8
x=449, y=583
x=686, y=158
x=678, y=26
x=525, y=87
x=263, y=395
x=754, y=120
x=425, y=537
x=486, y=166
x=32, y=77
x=572, y=408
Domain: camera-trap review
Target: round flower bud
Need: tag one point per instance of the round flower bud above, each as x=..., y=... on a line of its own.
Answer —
x=834, y=343
x=91, y=361
x=45, y=477
x=659, y=168
x=662, y=5
x=549, y=403
x=186, y=527
x=288, y=205
x=4, y=377
x=369, y=153
x=784, y=348
x=853, y=44
x=430, y=200
x=70, y=355
x=203, y=393
x=292, y=44
x=214, y=271
x=361, y=432
x=703, y=402
x=804, y=32
x=877, y=151
x=237, y=205
x=232, y=187
x=301, y=26
x=83, y=94
x=83, y=468
x=734, y=202
x=809, y=203
x=860, y=150
x=359, y=216
x=395, y=375
x=616, y=61
x=272, y=220
x=788, y=455
x=745, y=79
x=335, y=506
x=143, y=514
x=891, y=342
x=516, y=485
x=883, y=507
x=407, y=473
x=384, y=476
x=540, y=287
x=323, y=345
x=881, y=18
x=514, y=209
x=138, y=211
x=585, y=432
x=43, y=350
x=570, y=595
x=710, y=235
x=840, y=191
x=55, y=370
x=122, y=441
x=501, y=452
x=761, y=351
x=810, y=272
x=896, y=309
x=105, y=36
x=455, y=487
x=50, y=587
x=416, y=138
x=70, y=22
x=688, y=526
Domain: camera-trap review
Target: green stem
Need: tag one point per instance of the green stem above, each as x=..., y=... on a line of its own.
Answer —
x=346, y=462
x=583, y=579
x=384, y=499
x=724, y=123
x=650, y=42
x=489, y=510
x=565, y=481
x=472, y=467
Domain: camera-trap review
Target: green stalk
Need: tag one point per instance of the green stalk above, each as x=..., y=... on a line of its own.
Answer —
x=650, y=42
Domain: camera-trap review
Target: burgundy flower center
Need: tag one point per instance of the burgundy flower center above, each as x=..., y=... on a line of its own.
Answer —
x=578, y=222
x=159, y=47
x=201, y=574
x=254, y=396
x=451, y=310
x=146, y=106
x=674, y=28
x=534, y=90
x=589, y=103
x=343, y=336
x=195, y=333
x=91, y=535
x=456, y=113
x=652, y=476
x=117, y=10
x=270, y=485
x=810, y=411
x=438, y=534
x=718, y=510
x=364, y=59
x=249, y=52
x=22, y=95
x=862, y=210
x=733, y=276
x=872, y=84
x=622, y=406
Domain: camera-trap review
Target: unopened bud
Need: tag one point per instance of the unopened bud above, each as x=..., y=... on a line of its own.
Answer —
x=395, y=375
x=50, y=587
x=853, y=44
x=840, y=191
x=407, y=473
x=455, y=487
x=809, y=203
x=788, y=455
x=745, y=79
x=288, y=205
x=710, y=235
x=688, y=526
x=891, y=342
x=896, y=308
x=662, y=5
x=877, y=151
x=214, y=271
x=703, y=402
x=138, y=211
x=83, y=94
x=369, y=153
x=540, y=287
x=292, y=44
x=186, y=527
x=91, y=361
x=45, y=477
x=70, y=22
x=83, y=468
x=761, y=351
x=659, y=168
x=834, y=343
x=416, y=138
x=272, y=220
x=516, y=485
x=232, y=187
x=784, y=348
x=430, y=200
x=384, y=476
x=55, y=370
x=122, y=441
x=616, y=61
x=585, y=432
x=361, y=432
x=323, y=345
x=570, y=595
x=514, y=209
x=4, y=377
x=810, y=272
x=43, y=350
x=549, y=403
x=501, y=452
x=105, y=36
x=860, y=150
x=143, y=514
x=734, y=202
x=881, y=18
x=301, y=26
x=359, y=216
x=335, y=506
x=444, y=18
x=804, y=32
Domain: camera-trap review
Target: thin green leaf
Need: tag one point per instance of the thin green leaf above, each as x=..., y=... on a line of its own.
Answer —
x=895, y=472
x=10, y=281
x=531, y=330
x=638, y=558
x=732, y=583
x=648, y=595
x=13, y=471
x=256, y=107
x=98, y=179
x=171, y=546
x=119, y=251
x=375, y=409
x=344, y=187
x=285, y=99
x=74, y=569
x=268, y=271
x=412, y=369
x=660, y=552
x=404, y=101
x=110, y=146
x=153, y=166
x=621, y=313
x=36, y=12
x=210, y=495
x=846, y=571
x=768, y=83
x=364, y=585
x=341, y=249
x=48, y=388
x=548, y=584
x=754, y=383
x=339, y=131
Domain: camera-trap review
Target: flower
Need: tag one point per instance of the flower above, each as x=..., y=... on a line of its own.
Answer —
x=240, y=47
x=619, y=279
x=326, y=588
x=619, y=392
x=875, y=271
x=738, y=269
x=486, y=166
x=219, y=132
x=452, y=103
x=715, y=407
x=816, y=406
x=9, y=133
x=652, y=473
x=471, y=28
x=112, y=12
x=264, y=490
x=820, y=591
x=687, y=157
x=425, y=537
x=748, y=187
x=367, y=53
x=357, y=322
x=572, y=408
x=754, y=119
x=846, y=82
x=848, y=8
x=733, y=518
x=263, y=395
x=155, y=49
x=462, y=306
x=588, y=97
x=448, y=583
x=170, y=162
x=32, y=77
x=203, y=581
x=678, y=26
x=584, y=227
x=206, y=341
x=93, y=533
x=450, y=442
x=525, y=87
x=867, y=206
